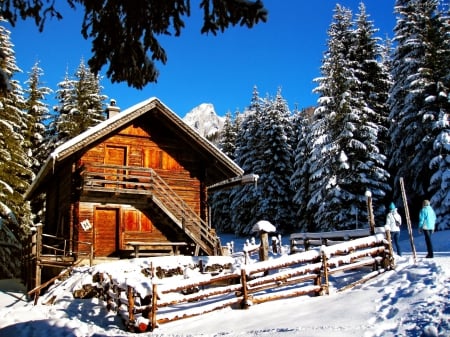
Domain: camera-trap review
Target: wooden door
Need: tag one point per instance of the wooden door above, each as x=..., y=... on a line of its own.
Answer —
x=117, y=156
x=106, y=229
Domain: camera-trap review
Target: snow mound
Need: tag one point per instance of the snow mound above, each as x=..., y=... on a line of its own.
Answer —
x=264, y=226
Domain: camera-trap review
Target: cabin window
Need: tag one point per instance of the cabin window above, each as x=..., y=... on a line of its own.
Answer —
x=116, y=155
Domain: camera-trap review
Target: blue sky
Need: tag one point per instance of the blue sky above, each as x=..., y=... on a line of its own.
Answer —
x=285, y=52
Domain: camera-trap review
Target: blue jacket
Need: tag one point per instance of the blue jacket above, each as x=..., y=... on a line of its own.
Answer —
x=427, y=218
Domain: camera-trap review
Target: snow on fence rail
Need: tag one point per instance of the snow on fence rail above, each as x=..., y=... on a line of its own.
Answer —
x=300, y=242
x=146, y=301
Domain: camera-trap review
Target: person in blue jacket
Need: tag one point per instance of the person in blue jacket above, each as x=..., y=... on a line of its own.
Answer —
x=427, y=222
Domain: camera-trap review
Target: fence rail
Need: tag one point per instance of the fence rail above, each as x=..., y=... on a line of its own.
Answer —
x=300, y=242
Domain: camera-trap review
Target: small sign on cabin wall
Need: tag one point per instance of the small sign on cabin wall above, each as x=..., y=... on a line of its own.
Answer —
x=86, y=225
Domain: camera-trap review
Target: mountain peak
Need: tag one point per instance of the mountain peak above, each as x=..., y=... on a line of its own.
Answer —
x=204, y=119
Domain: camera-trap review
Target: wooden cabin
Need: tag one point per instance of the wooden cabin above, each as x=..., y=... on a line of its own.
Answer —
x=141, y=178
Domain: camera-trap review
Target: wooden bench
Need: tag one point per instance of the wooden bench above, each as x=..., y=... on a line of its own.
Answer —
x=172, y=247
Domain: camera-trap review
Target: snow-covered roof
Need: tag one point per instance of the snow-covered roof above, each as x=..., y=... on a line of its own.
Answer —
x=119, y=120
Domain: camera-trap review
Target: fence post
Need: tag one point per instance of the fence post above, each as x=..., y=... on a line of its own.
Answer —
x=390, y=258
x=38, y=270
x=306, y=243
x=130, y=298
x=264, y=246
x=154, y=306
x=244, y=303
x=370, y=212
x=325, y=285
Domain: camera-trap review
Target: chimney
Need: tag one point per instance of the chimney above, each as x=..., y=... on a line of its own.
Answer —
x=112, y=109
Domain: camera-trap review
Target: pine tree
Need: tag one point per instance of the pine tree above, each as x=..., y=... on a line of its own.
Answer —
x=326, y=155
x=412, y=117
x=385, y=85
x=60, y=129
x=345, y=158
x=35, y=135
x=275, y=194
x=38, y=114
x=436, y=83
x=248, y=153
x=373, y=83
x=15, y=172
x=301, y=122
x=220, y=201
x=81, y=106
x=227, y=141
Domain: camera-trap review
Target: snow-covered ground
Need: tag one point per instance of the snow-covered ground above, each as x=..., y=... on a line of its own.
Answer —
x=413, y=300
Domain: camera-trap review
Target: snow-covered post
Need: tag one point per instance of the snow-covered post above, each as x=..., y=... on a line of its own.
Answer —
x=264, y=228
x=264, y=246
x=370, y=212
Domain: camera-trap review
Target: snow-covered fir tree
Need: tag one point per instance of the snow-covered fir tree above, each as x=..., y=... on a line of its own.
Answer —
x=38, y=116
x=326, y=155
x=436, y=86
x=244, y=198
x=417, y=70
x=38, y=113
x=220, y=200
x=344, y=160
x=227, y=142
x=15, y=172
x=276, y=165
x=81, y=105
x=440, y=166
x=301, y=122
x=90, y=102
x=56, y=132
x=373, y=83
x=382, y=102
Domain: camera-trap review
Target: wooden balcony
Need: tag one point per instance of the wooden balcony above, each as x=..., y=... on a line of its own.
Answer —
x=117, y=179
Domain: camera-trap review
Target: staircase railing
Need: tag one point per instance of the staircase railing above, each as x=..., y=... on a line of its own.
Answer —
x=140, y=180
x=194, y=226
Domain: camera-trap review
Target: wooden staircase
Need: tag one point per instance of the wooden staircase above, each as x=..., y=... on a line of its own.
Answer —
x=146, y=182
x=183, y=216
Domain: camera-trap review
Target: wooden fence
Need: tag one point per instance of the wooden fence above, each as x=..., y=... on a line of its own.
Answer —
x=300, y=242
x=143, y=308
